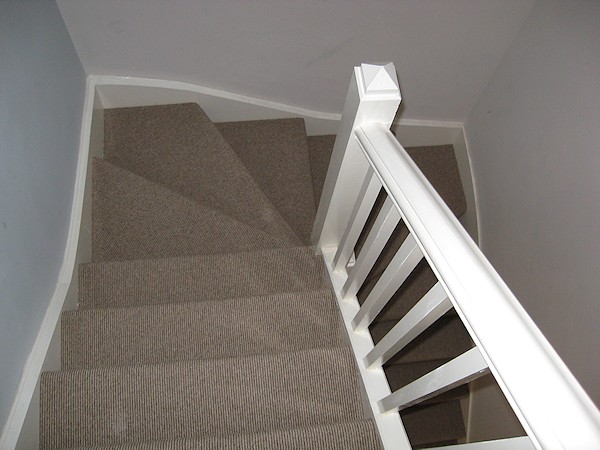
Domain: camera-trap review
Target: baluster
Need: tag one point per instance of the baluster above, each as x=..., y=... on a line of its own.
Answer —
x=382, y=229
x=366, y=199
x=430, y=308
x=462, y=369
x=403, y=263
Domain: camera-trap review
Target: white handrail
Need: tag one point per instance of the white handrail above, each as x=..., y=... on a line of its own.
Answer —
x=550, y=403
x=552, y=406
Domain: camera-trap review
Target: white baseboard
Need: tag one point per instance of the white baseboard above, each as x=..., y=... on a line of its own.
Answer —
x=103, y=92
x=220, y=106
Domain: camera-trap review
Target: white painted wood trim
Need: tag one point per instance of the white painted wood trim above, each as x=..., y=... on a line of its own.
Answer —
x=487, y=307
x=391, y=429
x=364, y=101
x=35, y=360
x=114, y=80
x=430, y=308
x=400, y=267
x=462, y=369
x=380, y=233
x=516, y=443
x=366, y=199
x=426, y=123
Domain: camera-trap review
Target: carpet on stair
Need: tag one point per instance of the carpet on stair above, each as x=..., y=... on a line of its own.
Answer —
x=276, y=154
x=201, y=322
x=356, y=435
x=213, y=397
x=134, y=218
x=179, y=147
x=209, y=277
x=170, y=332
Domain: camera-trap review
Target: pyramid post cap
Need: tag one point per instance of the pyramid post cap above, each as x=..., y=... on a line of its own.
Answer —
x=379, y=79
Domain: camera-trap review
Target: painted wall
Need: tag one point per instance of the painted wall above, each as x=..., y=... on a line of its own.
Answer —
x=302, y=53
x=534, y=139
x=42, y=86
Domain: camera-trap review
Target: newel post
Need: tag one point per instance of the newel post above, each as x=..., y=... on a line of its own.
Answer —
x=373, y=96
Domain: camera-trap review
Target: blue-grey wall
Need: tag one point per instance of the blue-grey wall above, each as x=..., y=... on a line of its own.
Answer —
x=42, y=86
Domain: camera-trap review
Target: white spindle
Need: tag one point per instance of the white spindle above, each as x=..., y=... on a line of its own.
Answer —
x=366, y=199
x=400, y=267
x=378, y=236
x=462, y=369
x=430, y=308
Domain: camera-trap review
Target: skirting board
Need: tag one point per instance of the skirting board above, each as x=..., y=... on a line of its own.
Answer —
x=220, y=106
x=103, y=92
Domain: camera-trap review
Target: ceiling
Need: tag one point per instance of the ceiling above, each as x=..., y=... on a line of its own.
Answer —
x=301, y=53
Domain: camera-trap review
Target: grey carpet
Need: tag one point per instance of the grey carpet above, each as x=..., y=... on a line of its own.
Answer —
x=357, y=435
x=179, y=147
x=201, y=324
x=319, y=151
x=135, y=218
x=276, y=154
x=213, y=397
x=225, y=328
x=184, y=279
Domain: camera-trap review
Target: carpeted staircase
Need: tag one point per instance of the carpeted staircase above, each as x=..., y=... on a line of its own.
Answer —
x=205, y=320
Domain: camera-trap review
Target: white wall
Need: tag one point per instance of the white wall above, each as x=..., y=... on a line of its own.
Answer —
x=534, y=139
x=301, y=53
x=42, y=86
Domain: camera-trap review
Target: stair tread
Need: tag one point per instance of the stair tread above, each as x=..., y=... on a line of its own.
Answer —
x=179, y=147
x=275, y=152
x=179, y=279
x=356, y=435
x=136, y=218
x=213, y=397
x=209, y=329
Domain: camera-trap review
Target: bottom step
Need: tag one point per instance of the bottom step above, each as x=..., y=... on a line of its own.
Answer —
x=357, y=435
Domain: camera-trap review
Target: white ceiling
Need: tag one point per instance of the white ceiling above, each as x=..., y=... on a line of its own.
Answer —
x=301, y=53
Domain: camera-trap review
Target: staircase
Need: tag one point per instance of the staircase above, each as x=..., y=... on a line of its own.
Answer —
x=205, y=320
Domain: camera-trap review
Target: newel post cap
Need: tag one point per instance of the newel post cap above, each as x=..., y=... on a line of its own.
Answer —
x=378, y=81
